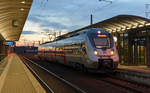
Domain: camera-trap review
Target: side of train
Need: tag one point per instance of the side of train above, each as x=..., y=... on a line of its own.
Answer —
x=92, y=49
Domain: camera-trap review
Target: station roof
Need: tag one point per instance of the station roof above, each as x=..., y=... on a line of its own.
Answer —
x=13, y=14
x=120, y=24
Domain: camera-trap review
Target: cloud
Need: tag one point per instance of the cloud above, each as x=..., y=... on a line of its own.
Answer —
x=64, y=21
x=69, y=15
x=55, y=22
x=35, y=31
x=28, y=32
x=33, y=26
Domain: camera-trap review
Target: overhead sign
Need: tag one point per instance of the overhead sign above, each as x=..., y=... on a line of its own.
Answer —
x=9, y=43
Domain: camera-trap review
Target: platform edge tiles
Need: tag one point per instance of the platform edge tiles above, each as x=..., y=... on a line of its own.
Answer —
x=16, y=78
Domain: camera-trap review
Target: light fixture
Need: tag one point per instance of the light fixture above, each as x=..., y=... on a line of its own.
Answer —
x=123, y=29
x=112, y=52
x=99, y=32
x=23, y=2
x=118, y=30
x=148, y=24
x=113, y=31
x=134, y=26
x=15, y=23
x=22, y=9
x=115, y=38
x=95, y=52
x=141, y=25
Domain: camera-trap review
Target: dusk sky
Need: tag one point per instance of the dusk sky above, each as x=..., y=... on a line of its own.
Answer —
x=68, y=15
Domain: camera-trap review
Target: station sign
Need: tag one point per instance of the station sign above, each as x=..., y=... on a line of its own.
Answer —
x=8, y=43
x=140, y=42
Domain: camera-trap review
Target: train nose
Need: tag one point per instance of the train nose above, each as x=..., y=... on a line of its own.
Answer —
x=105, y=64
x=108, y=52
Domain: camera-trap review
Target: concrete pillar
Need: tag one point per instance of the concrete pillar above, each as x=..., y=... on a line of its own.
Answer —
x=118, y=45
x=130, y=50
x=148, y=50
x=135, y=54
x=3, y=50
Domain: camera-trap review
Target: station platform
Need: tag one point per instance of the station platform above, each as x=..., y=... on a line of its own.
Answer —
x=16, y=78
x=138, y=74
x=143, y=69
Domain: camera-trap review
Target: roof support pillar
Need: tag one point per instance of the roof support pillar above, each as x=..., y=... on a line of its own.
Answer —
x=148, y=49
x=3, y=50
x=130, y=50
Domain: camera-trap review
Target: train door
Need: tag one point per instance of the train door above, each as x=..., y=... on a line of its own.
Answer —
x=83, y=53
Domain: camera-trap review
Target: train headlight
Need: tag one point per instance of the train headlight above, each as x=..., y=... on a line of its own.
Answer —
x=95, y=52
x=99, y=32
x=112, y=52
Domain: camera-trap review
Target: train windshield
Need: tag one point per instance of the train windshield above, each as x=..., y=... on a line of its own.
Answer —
x=102, y=42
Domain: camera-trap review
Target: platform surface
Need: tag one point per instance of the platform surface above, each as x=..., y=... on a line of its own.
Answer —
x=143, y=69
x=16, y=78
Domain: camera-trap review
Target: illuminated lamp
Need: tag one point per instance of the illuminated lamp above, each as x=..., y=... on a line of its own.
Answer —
x=141, y=25
x=123, y=29
x=134, y=27
x=22, y=9
x=23, y=2
x=118, y=30
x=115, y=38
x=112, y=52
x=148, y=24
x=113, y=31
x=95, y=52
x=99, y=32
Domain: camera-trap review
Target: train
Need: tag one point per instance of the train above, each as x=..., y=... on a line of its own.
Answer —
x=92, y=49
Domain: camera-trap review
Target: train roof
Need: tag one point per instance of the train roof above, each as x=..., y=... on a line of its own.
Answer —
x=90, y=30
x=71, y=34
x=74, y=38
x=67, y=41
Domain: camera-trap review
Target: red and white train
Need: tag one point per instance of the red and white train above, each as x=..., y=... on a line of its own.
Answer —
x=92, y=49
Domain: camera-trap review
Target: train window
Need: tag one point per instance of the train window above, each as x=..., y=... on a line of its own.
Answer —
x=101, y=42
x=84, y=50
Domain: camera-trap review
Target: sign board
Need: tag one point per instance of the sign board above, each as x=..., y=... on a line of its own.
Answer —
x=140, y=42
x=9, y=43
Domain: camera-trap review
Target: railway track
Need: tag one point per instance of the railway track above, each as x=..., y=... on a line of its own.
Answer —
x=130, y=86
x=51, y=82
x=125, y=86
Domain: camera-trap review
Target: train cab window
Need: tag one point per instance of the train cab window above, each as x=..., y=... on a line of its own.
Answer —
x=102, y=42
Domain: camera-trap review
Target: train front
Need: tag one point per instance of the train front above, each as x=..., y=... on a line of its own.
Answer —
x=103, y=52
